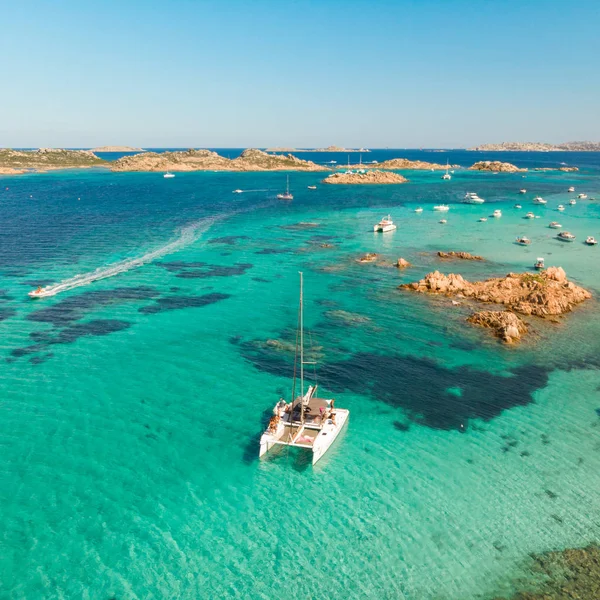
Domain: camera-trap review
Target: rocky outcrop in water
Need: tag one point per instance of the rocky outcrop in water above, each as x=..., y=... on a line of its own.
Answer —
x=495, y=166
x=206, y=160
x=544, y=294
x=13, y=162
x=459, y=255
x=505, y=324
x=402, y=263
x=415, y=165
x=370, y=177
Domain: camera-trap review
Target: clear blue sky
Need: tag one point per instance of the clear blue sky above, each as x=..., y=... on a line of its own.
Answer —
x=445, y=73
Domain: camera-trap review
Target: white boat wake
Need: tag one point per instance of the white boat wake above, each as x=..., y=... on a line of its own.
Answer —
x=188, y=234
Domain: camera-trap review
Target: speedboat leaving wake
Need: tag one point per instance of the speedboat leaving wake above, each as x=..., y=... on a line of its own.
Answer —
x=190, y=233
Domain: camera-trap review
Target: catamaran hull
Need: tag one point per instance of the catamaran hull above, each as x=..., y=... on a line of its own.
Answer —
x=326, y=436
x=384, y=229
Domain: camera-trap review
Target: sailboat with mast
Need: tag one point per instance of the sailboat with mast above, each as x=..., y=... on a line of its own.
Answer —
x=287, y=195
x=447, y=175
x=307, y=422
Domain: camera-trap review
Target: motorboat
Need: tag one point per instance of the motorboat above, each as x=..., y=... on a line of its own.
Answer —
x=312, y=187
x=287, y=195
x=306, y=422
x=572, y=202
x=418, y=210
x=39, y=292
x=530, y=215
x=483, y=219
x=518, y=206
x=539, y=263
x=168, y=175
x=582, y=196
x=443, y=221
x=560, y=207
x=555, y=225
x=386, y=224
x=472, y=198
x=539, y=200
x=590, y=240
x=441, y=207
x=566, y=236
x=522, y=191
x=571, y=189
x=497, y=213
x=523, y=241
x=238, y=191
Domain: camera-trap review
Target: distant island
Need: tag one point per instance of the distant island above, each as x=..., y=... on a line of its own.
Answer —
x=116, y=149
x=207, y=160
x=539, y=147
x=400, y=164
x=328, y=149
x=14, y=162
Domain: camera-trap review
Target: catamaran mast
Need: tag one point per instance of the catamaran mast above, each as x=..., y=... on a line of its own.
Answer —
x=301, y=351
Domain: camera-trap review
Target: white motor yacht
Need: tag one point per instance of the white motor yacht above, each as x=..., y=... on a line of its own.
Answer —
x=518, y=206
x=386, y=224
x=591, y=240
x=560, y=207
x=572, y=202
x=497, y=213
x=555, y=225
x=539, y=263
x=168, y=175
x=441, y=207
x=472, y=198
x=522, y=191
x=571, y=189
x=582, y=196
x=307, y=422
x=566, y=236
x=539, y=200
x=483, y=219
x=418, y=210
x=443, y=221
x=530, y=215
x=287, y=195
x=312, y=187
x=523, y=241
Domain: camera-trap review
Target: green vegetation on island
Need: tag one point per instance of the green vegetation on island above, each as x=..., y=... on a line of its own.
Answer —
x=43, y=159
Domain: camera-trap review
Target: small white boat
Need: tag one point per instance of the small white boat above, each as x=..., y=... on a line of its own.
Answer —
x=40, y=292
x=590, y=240
x=571, y=189
x=443, y=221
x=168, y=175
x=523, y=241
x=572, y=202
x=530, y=215
x=522, y=191
x=497, y=213
x=307, y=422
x=518, y=206
x=238, y=191
x=472, y=198
x=333, y=162
x=386, y=224
x=442, y=208
x=312, y=187
x=555, y=225
x=418, y=210
x=582, y=196
x=539, y=200
x=447, y=175
x=483, y=219
x=560, y=207
x=566, y=236
x=539, y=263
x=287, y=195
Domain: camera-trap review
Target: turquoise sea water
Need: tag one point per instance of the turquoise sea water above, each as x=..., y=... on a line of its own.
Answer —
x=131, y=407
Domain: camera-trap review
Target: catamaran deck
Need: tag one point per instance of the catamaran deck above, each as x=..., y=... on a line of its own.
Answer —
x=312, y=410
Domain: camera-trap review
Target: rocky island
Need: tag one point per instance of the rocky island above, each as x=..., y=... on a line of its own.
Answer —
x=539, y=147
x=496, y=166
x=206, y=160
x=369, y=177
x=116, y=149
x=548, y=293
x=328, y=149
x=14, y=162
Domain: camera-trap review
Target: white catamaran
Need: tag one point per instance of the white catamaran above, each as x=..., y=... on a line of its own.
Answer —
x=307, y=421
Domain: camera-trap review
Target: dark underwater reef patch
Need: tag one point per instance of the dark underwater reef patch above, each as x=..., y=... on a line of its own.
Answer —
x=202, y=270
x=7, y=313
x=180, y=302
x=73, y=308
x=273, y=251
x=429, y=393
x=230, y=240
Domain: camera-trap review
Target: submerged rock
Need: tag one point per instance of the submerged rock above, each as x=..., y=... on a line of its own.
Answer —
x=368, y=257
x=459, y=255
x=402, y=263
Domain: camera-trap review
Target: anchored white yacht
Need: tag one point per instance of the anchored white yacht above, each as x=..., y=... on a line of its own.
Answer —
x=590, y=240
x=555, y=225
x=539, y=200
x=287, y=195
x=307, y=422
x=566, y=236
x=447, y=175
x=473, y=198
x=386, y=224
x=418, y=210
x=168, y=175
x=582, y=196
x=530, y=215
x=560, y=207
x=441, y=208
x=522, y=191
x=539, y=263
x=497, y=213
x=572, y=202
x=571, y=189
x=523, y=241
